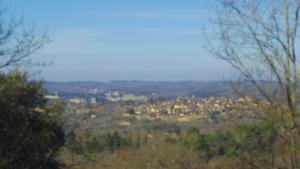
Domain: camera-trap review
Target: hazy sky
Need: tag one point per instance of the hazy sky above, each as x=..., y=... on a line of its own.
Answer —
x=123, y=39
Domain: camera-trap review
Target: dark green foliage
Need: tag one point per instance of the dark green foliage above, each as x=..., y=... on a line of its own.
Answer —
x=255, y=139
x=192, y=139
x=251, y=139
x=94, y=146
x=214, y=116
x=91, y=144
x=75, y=144
x=113, y=142
x=130, y=111
x=30, y=133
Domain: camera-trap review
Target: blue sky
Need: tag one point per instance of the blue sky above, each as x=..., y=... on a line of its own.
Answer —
x=106, y=40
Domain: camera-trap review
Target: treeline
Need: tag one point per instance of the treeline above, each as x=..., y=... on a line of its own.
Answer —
x=247, y=144
x=97, y=144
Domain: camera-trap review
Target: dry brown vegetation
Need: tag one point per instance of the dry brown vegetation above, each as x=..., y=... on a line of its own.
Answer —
x=246, y=146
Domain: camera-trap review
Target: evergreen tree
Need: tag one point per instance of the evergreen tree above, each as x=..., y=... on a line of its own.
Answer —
x=30, y=131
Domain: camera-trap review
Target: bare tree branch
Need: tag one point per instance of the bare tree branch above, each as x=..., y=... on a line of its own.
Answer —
x=259, y=39
x=17, y=43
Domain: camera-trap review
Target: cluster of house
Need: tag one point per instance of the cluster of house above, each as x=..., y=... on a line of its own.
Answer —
x=195, y=107
x=181, y=108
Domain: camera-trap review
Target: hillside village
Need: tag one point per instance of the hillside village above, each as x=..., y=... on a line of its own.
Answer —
x=182, y=109
x=188, y=109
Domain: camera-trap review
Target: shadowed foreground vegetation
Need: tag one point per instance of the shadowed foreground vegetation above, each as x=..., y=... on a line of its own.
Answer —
x=31, y=130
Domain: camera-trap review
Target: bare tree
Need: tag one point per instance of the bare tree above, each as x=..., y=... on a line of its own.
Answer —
x=17, y=43
x=259, y=38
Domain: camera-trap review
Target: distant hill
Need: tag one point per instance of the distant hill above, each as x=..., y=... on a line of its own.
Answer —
x=165, y=89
